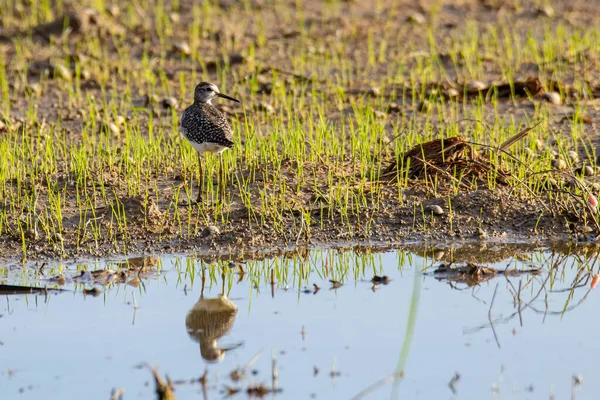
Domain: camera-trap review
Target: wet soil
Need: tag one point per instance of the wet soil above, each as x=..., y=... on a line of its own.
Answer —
x=481, y=213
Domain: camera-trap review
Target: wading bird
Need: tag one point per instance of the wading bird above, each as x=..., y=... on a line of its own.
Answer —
x=207, y=129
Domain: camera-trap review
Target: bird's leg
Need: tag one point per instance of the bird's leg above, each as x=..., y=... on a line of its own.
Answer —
x=222, y=182
x=201, y=181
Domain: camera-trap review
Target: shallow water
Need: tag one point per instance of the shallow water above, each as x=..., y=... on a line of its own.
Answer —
x=331, y=344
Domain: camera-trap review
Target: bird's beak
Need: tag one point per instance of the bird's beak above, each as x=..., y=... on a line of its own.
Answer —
x=227, y=97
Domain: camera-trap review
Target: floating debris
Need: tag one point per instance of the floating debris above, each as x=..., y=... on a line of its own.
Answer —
x=335, y=284
x=473, y=274
x=380, y=279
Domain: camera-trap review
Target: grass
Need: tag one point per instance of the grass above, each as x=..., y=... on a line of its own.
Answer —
x=321, y=148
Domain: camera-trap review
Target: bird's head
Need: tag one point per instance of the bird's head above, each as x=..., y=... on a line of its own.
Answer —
x=206, y=91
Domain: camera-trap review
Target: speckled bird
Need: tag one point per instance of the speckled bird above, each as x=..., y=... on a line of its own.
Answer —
x=206, y=128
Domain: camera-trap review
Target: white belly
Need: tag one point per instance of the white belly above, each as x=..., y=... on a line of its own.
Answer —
x=205, y=147
x=202, y=148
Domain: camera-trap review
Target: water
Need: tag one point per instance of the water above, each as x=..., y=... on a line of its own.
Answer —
x=331, y=344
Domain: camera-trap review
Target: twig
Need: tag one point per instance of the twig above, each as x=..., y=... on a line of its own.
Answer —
x=377, y=385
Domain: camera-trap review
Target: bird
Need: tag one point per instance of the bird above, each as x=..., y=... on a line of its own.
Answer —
x=207, y=128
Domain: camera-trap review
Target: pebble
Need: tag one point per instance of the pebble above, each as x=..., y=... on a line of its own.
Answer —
x=113, y=10
x=2, y=125
x=182, y=48
x=62, y=72
x=85, y=74
x=394, y=108
x=476, y=85
x=573, y=155
x=552, y=97
x=379, y=114
x=434, y=209
x=416, y=18
x=588, y=170
x=120, y=120
x=452, y=93
x=558, y=163
x=210, y=231
x=373, y=92
x=539, y=145
x=547, y=10
x=109, y=127
x=266, y=107
x=33, y=88
x=170, y=102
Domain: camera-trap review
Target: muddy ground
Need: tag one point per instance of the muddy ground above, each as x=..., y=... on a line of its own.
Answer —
x=490, y=214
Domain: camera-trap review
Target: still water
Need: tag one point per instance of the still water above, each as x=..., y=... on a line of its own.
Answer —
x=191, y=317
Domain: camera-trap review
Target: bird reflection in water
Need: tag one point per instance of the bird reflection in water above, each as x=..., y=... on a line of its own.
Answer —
x=209, y=320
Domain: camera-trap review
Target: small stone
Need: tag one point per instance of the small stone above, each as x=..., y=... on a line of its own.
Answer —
x=394, y=108
x=588, y=170
x=174, y=17
x=476, y=86
x=558, y=163
x=547, y=10
x=434, y=209
x=266, y=107
x=120, y=120
x=113, y=10
x=552, y=97
x=109, y=128
x=2, y=125
x=373, y=92
x=573, y=155
x=380, y=114
x=182, y=48
x=595, y=187
x=539, y=145
x=57, y=237
x=62, y=72
x=85, y=74
x=33, y=88
x=587, y=229
x=452, y=93
x=210, y=231
x=170, y=102
x=416, y=18
x=482, y=233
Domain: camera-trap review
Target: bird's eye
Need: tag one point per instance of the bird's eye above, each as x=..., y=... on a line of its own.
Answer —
x=208, y=89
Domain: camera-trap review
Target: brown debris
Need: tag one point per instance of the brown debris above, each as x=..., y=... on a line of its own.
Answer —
x=380, y=279
x=164, y=390
x=452, y=158
x=136, y=262
x=473, y=274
